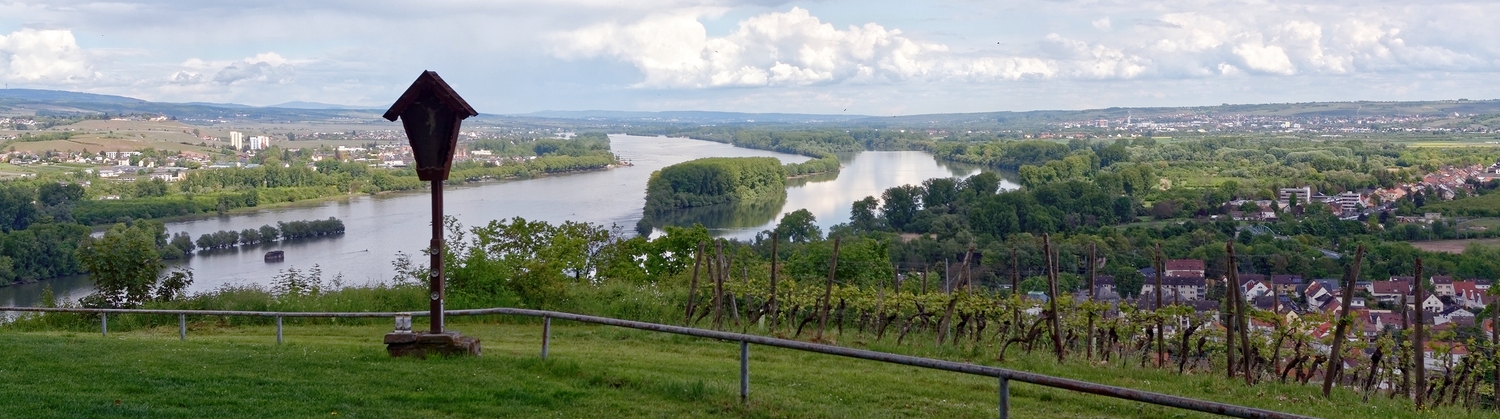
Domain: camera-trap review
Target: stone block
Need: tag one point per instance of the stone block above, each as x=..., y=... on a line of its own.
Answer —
x=422, y=344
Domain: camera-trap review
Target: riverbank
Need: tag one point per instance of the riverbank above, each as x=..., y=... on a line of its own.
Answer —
x=315, y=202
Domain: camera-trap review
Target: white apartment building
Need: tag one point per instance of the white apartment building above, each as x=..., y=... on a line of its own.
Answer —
x=236, y=140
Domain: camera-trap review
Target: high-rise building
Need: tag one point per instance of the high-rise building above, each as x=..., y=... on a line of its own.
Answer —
x=236, y=140
x=257, y=143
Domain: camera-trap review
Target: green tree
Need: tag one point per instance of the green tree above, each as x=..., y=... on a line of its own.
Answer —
x=799, y=227
x=124, y=264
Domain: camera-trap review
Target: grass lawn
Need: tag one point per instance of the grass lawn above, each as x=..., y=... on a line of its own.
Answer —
x=594, y=371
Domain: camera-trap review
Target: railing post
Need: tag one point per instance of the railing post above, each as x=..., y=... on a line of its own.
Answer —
x=546, y=334
x=278, y=330
x=182, y=326
x=744, y=372
x=104, y=324
x=1004, y=398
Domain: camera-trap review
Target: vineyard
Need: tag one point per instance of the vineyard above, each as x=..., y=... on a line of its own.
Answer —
x=1235, y=340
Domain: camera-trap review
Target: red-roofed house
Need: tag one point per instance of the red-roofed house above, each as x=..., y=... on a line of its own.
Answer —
x=1185, y=268
x=1468, y=294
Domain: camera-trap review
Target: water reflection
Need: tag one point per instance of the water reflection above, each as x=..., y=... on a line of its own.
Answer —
x=731, y=217
x=829, y=196
x=380, y=226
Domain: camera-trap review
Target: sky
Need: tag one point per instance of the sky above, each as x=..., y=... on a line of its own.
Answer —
x=868, y=57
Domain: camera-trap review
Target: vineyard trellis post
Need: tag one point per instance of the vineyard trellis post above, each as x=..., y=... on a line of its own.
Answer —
x=717, y=272
x=1405, y=349
x=1232, y=276
x=771, y=301
x=1057, y=344
x=693, y=285
x=1343, y=323
x=1419, y=346
x=1242, y=322
x=1093, y=268
x=833, y=264
x=1161, y=267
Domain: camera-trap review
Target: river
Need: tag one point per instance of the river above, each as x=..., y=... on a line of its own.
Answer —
x=377, y=227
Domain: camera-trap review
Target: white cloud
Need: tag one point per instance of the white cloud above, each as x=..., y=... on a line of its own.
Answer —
x=263, y=68
x=43, y=56
x=1102, y=24
x=1266, y=58
x=790, y=48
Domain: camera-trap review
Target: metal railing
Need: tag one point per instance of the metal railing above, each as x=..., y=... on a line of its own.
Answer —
x=1003, y=375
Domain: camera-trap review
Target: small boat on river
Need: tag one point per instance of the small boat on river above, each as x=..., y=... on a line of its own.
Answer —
x=275, y=256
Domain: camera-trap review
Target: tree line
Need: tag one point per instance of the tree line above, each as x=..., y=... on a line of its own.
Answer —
x=282, y=231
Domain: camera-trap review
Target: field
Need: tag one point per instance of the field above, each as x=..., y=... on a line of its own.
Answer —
x=1452, y=246
x=343, y=371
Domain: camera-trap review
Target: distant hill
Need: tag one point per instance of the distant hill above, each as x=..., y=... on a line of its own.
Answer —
x=54, y=102
x=62, y=102
x=64, y=96
x=297, y=104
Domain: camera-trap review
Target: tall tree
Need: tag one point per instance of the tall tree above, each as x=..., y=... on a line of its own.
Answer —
x=124, y=264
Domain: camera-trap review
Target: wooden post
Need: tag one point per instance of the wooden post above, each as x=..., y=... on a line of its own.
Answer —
x=718, y=275
x=1057, y=345
x=1419, y=344
x=1161, y=265
x=947, y=277
x=968, y=272
x=693, y=286
x=1405, y=353
x=749, y=311
x=833, y=264
x=1342, y=325
x=1093, y=267
x=771, y=302
x=1233, y=300
x=1242, y=321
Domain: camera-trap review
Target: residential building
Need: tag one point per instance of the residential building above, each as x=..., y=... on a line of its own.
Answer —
x=1185, y=288
x=1184, y=267
x=1303, y=194
x=1286, y=284
x=1392, y=290
x=1442, y=286
x=237, y=140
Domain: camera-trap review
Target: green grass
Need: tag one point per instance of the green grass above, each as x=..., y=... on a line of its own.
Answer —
x=343, y=371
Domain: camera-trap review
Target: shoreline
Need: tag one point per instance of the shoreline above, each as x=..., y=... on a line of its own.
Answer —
x=97, y=228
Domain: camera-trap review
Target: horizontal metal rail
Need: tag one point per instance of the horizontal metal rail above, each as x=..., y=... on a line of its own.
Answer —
x=1003, y=374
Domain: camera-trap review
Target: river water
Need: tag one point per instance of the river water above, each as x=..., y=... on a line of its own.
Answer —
x=377, y=227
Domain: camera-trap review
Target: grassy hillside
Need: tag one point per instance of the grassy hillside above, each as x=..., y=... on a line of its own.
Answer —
x=342, y=371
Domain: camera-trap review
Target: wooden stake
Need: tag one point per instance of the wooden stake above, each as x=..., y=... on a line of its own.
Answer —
x=1343, y=324
x=1161, y=265
x=1093, y=266
x=1233, y=304
x=771, y=302
x=1419, y=344
x=833, y=265
x=1057, y=345
x=717, y=273
x=693, y=286
x=1242, y=321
